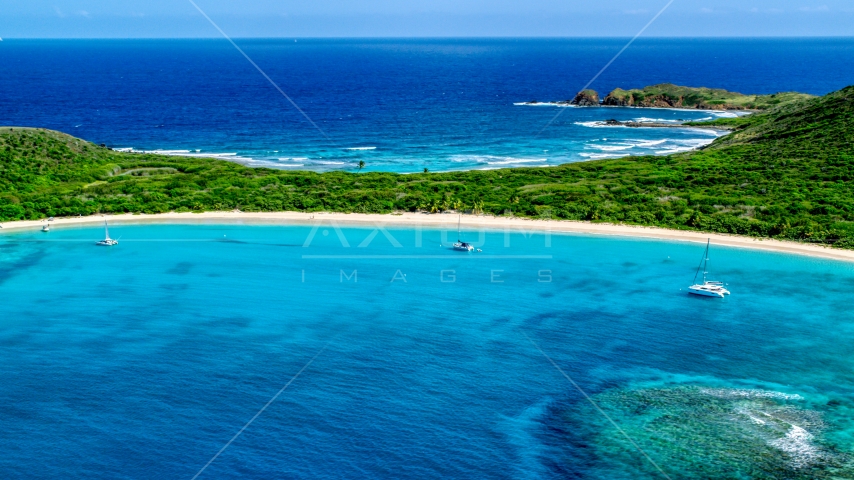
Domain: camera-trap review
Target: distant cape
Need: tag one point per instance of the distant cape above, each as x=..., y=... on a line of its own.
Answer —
x=667, y=95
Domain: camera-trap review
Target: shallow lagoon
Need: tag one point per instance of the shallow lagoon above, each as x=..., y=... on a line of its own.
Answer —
x=142, y=361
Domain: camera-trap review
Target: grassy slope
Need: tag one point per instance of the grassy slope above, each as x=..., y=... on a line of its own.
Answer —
x=691, y=97
x=785, y=173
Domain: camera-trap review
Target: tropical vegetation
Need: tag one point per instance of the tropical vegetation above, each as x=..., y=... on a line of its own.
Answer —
x=667, y=94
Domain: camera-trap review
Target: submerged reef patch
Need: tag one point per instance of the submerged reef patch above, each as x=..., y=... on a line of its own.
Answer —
x=697, y=432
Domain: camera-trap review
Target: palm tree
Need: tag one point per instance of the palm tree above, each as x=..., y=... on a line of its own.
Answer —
x=361, y=165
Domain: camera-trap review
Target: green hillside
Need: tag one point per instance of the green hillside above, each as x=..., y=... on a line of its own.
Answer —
x=784, y=173
x=669, y=95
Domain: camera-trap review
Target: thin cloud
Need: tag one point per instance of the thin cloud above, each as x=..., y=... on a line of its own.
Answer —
x=59, y=12
x=822, y=8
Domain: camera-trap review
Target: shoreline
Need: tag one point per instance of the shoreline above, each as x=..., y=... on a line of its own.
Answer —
x=563, y=103
x=442, y=220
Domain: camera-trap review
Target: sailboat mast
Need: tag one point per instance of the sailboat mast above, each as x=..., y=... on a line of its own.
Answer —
x=459, y=220
x=706, y=265
x=702, y=264
x=106, y=230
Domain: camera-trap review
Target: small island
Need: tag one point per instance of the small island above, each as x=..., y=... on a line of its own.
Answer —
x=667, y=95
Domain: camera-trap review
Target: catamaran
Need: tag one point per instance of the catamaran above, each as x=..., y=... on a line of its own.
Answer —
x=708, y=288
x=107, y=241
x=461, y=245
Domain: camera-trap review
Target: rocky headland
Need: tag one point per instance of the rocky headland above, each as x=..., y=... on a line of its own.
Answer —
x=586, y=98
x=667, y=95
x=634, y=124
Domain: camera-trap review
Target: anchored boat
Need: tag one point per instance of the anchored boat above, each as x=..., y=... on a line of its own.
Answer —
x=461, y=245
x=708, y=288
x=107, y=241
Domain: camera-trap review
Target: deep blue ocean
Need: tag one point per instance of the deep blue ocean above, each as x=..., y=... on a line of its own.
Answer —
x=397, y=105
x=143, y=360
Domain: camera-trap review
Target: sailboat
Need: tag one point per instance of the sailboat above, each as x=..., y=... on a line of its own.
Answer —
x=461, y=245
x=708, y=288
x=107, y=241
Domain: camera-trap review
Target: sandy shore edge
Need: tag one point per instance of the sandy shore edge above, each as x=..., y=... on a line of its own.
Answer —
x=441, y=220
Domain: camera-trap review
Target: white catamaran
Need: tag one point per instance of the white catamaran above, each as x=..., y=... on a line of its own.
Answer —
x=708, y=288
x=107, y=241
x=461, y=245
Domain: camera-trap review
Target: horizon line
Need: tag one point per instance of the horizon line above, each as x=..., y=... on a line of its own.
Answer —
x=445, y=37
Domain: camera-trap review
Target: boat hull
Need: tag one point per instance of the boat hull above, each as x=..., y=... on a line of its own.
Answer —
x=705, y=293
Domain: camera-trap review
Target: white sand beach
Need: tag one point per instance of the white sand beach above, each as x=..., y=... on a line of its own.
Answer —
x=447, y=220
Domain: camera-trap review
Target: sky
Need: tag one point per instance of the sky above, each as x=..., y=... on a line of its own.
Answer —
x=422, y=18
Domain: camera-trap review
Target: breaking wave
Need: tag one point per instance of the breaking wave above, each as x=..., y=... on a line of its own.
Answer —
x=183, y=153
x=495, y=160
x=545, y=104
x=623, y=147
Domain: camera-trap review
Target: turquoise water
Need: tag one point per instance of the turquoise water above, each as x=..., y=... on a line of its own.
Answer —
x=143, y=360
